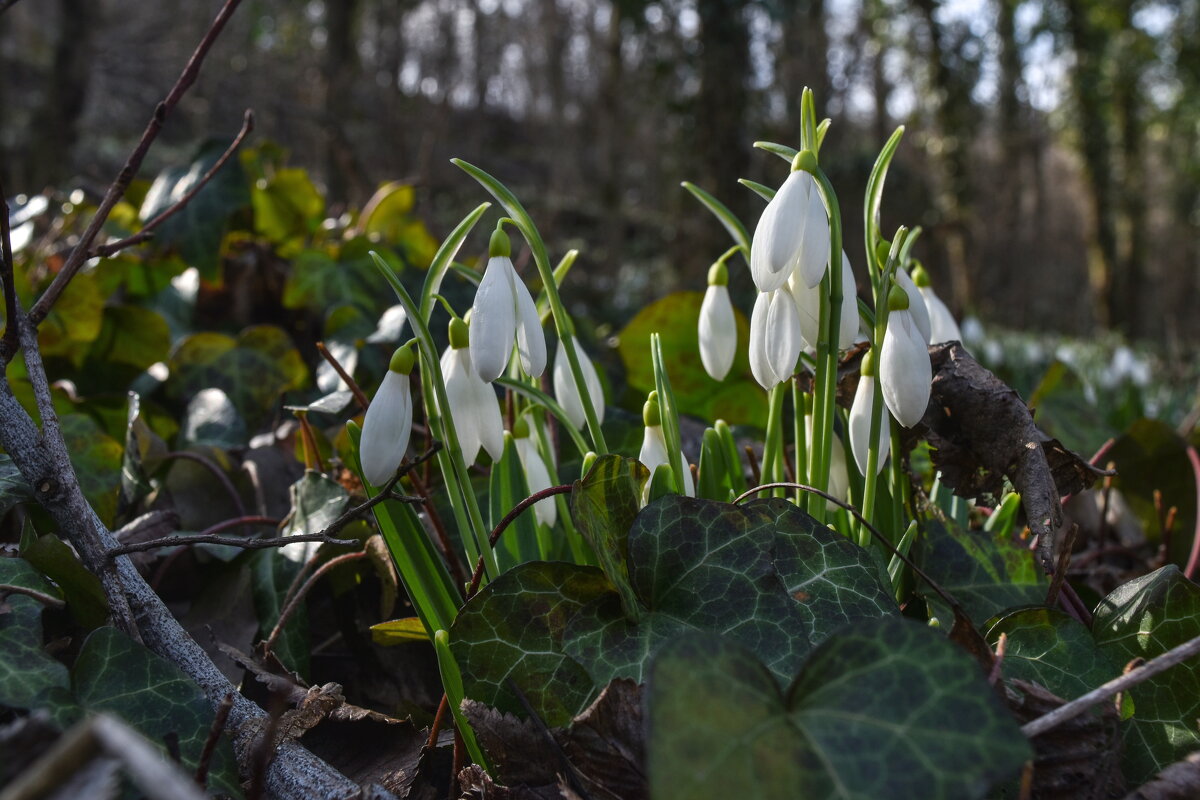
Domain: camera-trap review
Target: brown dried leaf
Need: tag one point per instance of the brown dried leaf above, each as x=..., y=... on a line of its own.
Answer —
x=1180, y=781
x=607, y=743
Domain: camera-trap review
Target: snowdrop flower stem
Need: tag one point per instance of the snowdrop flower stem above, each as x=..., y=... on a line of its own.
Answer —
x=877, y=451
x=772, y=458
x=562, y=320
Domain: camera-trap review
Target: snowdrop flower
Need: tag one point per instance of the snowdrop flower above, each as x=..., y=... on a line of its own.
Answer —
x=860, y=419
x=793, y=232
x=718, y=327
x=942, y=327
x=388, y=421
x=916, y=303
x=567, y=392
x=654, y=448
x=536, y=474
x=473, y=405
x=775, y=338
x=808, y=304
x=905, y=372
x=503, y=312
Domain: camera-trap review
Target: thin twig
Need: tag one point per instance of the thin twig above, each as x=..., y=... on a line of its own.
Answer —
x=116, y=190
x=147, y=231
x=1193, y=561
x=438, y=720
x=1101, y=693
x=43, y=598
x=477, y=576
x=449, y=555
x=214, y=737
x=298, y=597
x=1064, y=563
x=355, y=389
x=8, y=283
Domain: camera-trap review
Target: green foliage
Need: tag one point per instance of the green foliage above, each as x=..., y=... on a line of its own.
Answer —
x=273, y=574
x=54, y=559
x=604, y=505
x=26, y=670
x=886, y=708
x=1049, y=648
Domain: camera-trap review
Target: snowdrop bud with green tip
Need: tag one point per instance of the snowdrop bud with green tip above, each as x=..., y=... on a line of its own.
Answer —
x=567, y=392
x=793, y=232
x=654, y=447
x=718, y=327
x=504, y=311
x=388, y=421
x=473, y=405
x=905, y=372
x=916, y=303
x=860, y=419
x=942, y=327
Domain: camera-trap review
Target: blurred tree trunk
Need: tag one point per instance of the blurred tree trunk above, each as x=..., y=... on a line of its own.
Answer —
x=1126, y=288
x=610, y=124
x=803, y=53
x=874, y=22
x=342, y=175
x=1010, y=118
x=55, y=126
x=951, y=105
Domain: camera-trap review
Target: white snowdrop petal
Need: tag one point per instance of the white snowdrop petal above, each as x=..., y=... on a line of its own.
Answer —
x=849, y=319
x=815, y=250
x=783, y=337
x=460, y=393
x=567, y=392
x=531, y=341
x=808, y=307
x=493, y=319
x=905, y=372
x=760, y=365
x=386, y=428
x=718, y=332
x=779, y=235
x=942, y=327
x=860, y=426
x=654, y=453
x=916, y=303
x=538, y=478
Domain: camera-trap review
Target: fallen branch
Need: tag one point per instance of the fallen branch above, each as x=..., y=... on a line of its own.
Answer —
x=1103, y=692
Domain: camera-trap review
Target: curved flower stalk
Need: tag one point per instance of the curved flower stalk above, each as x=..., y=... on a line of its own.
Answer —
x=905, y=372
x=808, y=304
x=775, y=338
x=942, y=327
x=860, y=419
x=504, y=311
x=792, y=235
x=388, y=421
x=916, y=303
x=473, y=404
x=654, y=448
x=566, y=391
x=536, y=474
x=718, y=326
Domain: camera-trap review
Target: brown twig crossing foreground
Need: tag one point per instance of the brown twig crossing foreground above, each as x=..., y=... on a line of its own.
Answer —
x=1103, y=692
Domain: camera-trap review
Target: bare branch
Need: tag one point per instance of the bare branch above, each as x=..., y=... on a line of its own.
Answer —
x=117, y=189
x=43, y=598
x=147, y=231
x=1101, y=693
x=8, y=284
x=296, y=598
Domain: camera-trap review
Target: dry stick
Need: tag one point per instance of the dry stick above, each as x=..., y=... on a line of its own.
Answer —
x=1001, y=649
x=10, y=342
x=1064, y=563
x=116, y=190
x=355, y=389
x=1194, y=558
x=214, y=736
x=147, y=230
x=43, y=598
x=438, y=720
x=294, y=603
x=477, y=576
x=1101, y=693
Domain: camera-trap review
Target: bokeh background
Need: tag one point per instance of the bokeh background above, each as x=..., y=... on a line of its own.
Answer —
x=1052, y=154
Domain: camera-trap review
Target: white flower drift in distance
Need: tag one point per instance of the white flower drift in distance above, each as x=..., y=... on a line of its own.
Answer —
x=504, y=312
x=654, y=448
x=905, y=372
x=473, y=404
x=566, y=391
x=808, y=305
x=388, y=421
x=536, y=474
x=792, y=235
x=942, y=327
x=860, y=419
x=718, y=326
x=916, y=303
x=775, y=338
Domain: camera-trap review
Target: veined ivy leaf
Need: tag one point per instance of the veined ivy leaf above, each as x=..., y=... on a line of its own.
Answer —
x=987, y=574
x=1145, y=618
x=1048, y=647
x=317, y=501
x=603, y=505
x=885, y=708
x=26, y=670
x=52, y=557
x=13, y=488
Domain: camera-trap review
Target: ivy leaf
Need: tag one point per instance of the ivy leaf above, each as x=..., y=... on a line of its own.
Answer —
x=1145, y=618
x=886, y=708
x=115, y=674
x=273, y=574
x=1048, y=647
x=85, y=597
x=26, y=670
x=603, y=505
x=317, y=501
x=13, y=488
x=987, y=574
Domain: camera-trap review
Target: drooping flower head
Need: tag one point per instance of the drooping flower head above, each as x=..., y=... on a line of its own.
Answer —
x=567, y=392
x=504, y=312
x=536, y=474
x=473, y=404
x=718, y=326
x=905, y=371
x=792, y=235
x=942, y=327
x=808, y=305
x=388, y=421
x=654, y=448
x=775, y=338
x=860, y=419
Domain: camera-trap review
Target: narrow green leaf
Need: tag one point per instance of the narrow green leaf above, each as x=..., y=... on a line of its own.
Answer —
x=444, y=258
x=737, y=230
x=763, y=191
x=788, y=154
